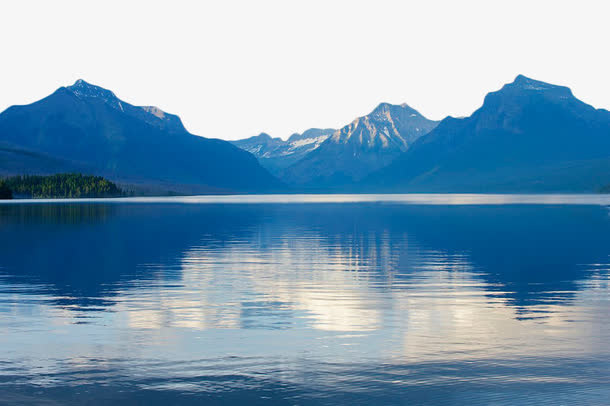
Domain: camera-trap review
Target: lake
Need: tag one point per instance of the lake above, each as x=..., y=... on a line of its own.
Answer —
x=306, y=300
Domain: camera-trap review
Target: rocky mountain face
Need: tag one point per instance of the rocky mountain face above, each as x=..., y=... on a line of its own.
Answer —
x=361, y=147
x=528, y=136
x=86, y=128
x=276, y=154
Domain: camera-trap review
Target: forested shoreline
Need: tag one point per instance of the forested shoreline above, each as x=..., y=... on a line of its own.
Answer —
x=64, y=185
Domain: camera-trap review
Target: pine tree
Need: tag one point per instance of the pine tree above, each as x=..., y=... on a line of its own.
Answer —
x=5, y=191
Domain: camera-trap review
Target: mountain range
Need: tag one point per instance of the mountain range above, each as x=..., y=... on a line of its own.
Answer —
x=327, y=160
x=85, y=128
x=275, y=154
x=529, y=136
x=365, y=145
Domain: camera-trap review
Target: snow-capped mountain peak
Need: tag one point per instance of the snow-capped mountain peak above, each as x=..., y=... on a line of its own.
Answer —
x=275, y=153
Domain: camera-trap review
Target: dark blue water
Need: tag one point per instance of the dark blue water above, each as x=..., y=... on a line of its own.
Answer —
x=315, y=300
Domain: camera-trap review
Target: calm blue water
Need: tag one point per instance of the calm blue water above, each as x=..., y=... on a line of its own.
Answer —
x=306, y=300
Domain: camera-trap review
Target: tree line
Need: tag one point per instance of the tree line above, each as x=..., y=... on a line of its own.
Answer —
x=63, y=185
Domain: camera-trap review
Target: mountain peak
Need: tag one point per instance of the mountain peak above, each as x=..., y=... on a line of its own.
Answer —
x=88, y=89
x=321, y=133
x=522, y=79
x=83, y=89
x=522, y=83
x=262, y=138
x=152, y=115
x=382, y=107
x=529, y=83
x=385, y=108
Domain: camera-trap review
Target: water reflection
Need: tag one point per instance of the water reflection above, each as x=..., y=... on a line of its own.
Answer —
x=305, y=302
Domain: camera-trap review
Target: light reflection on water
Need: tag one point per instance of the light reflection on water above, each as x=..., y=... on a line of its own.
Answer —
x=410, y=198
x=304, y=303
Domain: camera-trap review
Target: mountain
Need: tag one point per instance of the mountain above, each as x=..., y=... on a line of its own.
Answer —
x=529, y=136
x=365, y=145
x=276, y=154
x=85, y=128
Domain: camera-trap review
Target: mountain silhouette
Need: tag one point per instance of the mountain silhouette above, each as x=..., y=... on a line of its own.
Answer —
x=86, y=128
x=530, y=136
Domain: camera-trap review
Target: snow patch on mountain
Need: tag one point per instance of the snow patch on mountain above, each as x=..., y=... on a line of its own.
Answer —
x=307, y=142
x=155, y=111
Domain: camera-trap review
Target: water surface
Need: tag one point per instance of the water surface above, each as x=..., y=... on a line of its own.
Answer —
x=392, y=299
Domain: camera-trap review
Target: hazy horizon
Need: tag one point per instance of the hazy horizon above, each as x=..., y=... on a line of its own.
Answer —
x=234, y=70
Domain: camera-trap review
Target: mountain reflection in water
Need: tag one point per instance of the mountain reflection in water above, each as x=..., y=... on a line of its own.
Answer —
x=304, y=303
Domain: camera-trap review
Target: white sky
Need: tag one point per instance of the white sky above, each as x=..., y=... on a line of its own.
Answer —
x=232, y=69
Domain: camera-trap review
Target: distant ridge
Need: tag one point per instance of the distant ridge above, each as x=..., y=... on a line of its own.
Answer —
x=276, y=154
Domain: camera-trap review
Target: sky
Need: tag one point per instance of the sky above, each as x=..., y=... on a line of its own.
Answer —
x=232, y=69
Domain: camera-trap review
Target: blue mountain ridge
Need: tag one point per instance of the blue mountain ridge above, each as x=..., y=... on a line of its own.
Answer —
x=530, y=136
x=86, y=128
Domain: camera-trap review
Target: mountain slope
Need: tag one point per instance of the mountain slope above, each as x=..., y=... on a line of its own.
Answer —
x=85, y=127
x=367, y=144
x=276, y=154
x=528, y=136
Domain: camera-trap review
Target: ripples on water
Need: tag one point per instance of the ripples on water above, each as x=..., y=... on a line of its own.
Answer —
x=312, y=302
